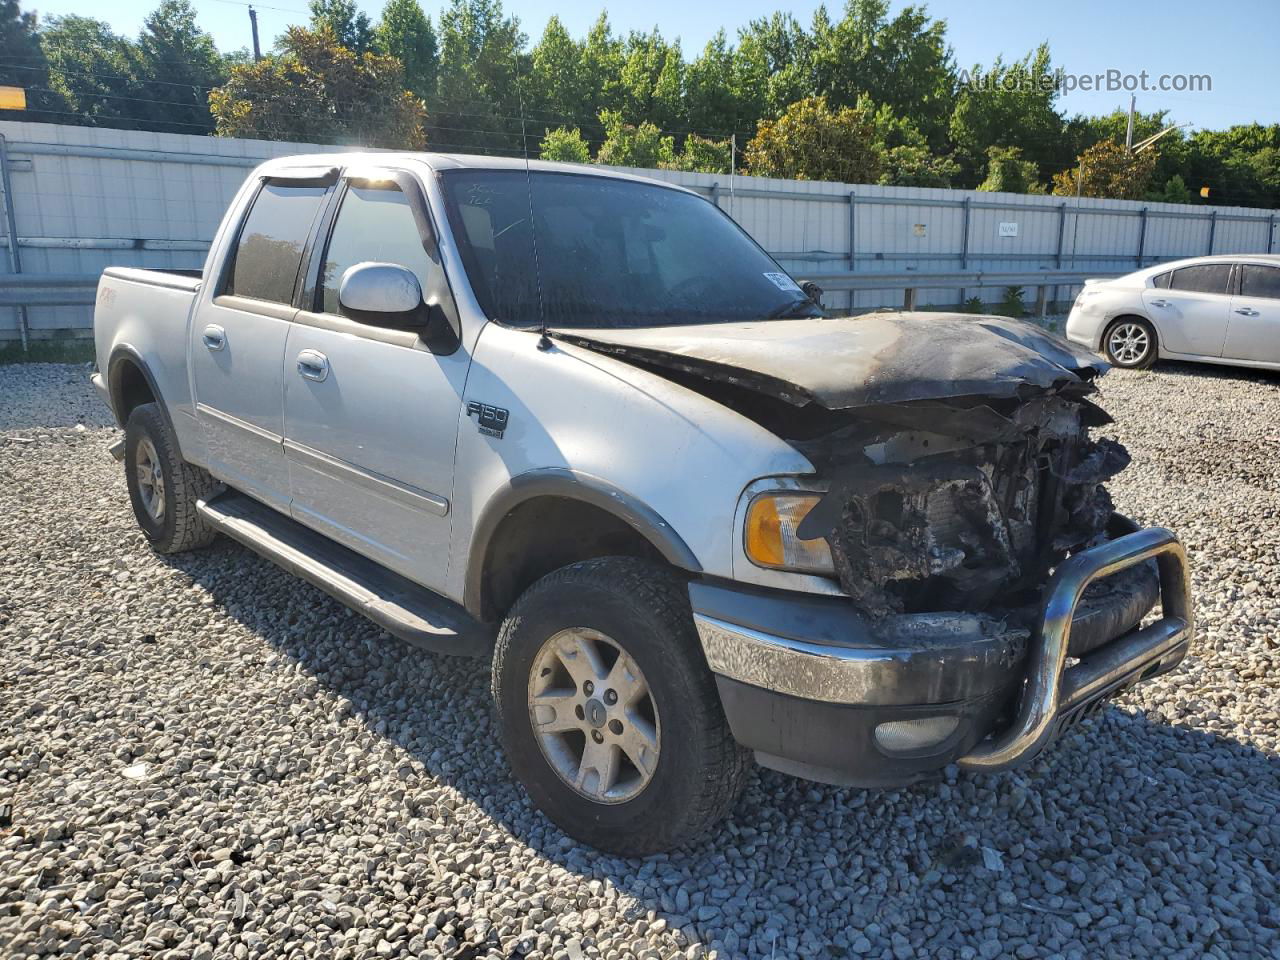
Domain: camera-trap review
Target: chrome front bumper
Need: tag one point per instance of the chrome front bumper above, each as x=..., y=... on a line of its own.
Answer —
x=820, y=651
x=1055, y=694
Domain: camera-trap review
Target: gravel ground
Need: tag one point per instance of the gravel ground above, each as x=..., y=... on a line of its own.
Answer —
x=208, y=758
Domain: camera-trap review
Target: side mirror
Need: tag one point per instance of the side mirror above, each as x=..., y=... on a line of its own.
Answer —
x=812, y=291
x=385, y=294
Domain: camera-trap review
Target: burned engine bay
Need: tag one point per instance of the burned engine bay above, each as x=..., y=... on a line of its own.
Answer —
x=954, y=450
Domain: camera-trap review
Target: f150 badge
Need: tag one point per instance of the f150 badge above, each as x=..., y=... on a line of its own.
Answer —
x=491, y=420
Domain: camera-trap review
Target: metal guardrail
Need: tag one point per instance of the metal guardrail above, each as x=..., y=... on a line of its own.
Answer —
x=78, y=289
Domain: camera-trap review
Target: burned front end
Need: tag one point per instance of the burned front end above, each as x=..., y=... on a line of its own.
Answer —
x=990, y=594
x=964, y=504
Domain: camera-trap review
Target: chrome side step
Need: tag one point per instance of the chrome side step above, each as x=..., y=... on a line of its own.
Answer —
x=402, y=608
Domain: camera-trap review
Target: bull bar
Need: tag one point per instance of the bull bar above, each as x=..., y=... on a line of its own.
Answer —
x=1055, y=693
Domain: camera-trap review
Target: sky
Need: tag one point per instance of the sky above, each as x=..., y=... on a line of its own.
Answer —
x=1236, y=43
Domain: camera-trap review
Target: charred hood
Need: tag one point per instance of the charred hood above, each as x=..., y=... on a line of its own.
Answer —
x=954, y=450
x=848, y=362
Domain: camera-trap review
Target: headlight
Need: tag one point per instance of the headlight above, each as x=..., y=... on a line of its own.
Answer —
x=770, y=534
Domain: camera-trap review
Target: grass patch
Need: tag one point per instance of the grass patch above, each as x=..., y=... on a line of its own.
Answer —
x=47, y=351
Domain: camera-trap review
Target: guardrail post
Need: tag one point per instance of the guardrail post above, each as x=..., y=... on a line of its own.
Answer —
x=964, y=243
x=1041, y=303
x=1062, y=239
x=1142, y=237
x=11, y=231
x=1271, y=233
x=715, y=194
x=1213, y=229
x=853, y=236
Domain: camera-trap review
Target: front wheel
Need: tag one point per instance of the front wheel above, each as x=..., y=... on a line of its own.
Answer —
x=608, y=712
x=1130, y=342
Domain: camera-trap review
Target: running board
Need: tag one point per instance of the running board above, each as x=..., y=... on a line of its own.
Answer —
x=398, y=605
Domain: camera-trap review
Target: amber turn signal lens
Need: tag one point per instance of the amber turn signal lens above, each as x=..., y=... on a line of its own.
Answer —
x=770, y=535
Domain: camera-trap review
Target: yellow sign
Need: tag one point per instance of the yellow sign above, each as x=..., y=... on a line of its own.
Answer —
x=13, y=98
x=1204, y=192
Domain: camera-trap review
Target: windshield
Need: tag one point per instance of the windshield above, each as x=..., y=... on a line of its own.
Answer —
x=612, y=253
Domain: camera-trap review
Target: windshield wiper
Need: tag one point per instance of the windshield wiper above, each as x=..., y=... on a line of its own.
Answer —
x=791, y=311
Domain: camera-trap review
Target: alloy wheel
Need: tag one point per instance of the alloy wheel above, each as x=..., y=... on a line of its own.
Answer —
x=594, y=716
x=150, y=478
x=1129, y=343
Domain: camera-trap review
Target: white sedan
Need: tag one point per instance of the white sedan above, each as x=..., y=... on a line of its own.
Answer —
x=1220, y=309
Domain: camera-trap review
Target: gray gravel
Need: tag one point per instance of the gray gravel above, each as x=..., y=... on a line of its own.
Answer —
x=207, y=758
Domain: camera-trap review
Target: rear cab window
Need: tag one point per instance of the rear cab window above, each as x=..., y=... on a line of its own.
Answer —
x=272, y=240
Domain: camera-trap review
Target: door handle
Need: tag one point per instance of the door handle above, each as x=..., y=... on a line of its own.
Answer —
x=1247, y=311
x=313, y=365
x=214, y=337
x=1159, y=303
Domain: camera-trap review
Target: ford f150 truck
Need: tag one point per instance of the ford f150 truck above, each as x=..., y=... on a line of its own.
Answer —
x=580, y=423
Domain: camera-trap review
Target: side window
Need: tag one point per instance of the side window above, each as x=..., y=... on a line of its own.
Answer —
x=1259, y=281
x=374, y=223
x=1204, y=278
x=1162, y=281
x=269, y=251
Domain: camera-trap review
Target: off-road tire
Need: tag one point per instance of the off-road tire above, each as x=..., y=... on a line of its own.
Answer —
x=180, y=527
x=1147, y=359
x=644, y=608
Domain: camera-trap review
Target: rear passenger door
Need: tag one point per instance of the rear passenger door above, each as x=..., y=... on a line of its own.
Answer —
x=371, y=413
x=1253, y=332
x=1190, y=313
x=238, y=336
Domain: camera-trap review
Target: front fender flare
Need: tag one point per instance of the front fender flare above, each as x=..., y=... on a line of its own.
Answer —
x=571, y=485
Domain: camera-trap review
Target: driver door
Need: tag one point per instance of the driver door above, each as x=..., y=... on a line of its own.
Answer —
x=371, y=413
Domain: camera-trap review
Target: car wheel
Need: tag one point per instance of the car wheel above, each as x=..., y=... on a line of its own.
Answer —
x=1130, y=342
x=608, y=713
x=163, y=487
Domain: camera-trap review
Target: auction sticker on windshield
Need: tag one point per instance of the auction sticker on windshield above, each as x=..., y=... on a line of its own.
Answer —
x=782, y=281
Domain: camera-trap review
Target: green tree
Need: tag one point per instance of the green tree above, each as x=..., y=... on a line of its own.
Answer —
x=1007, y=172
x=702, y=155
x=915, y=166
x=774, y=64
x=1107, y=170
x=564, y=145
x=558, y=86
x=176, y=66
x=23, y=64
x=405, y=32
x=350, y=25
x=317, y=90
x=713, y=101
x=93, y=71
x=1009, y=105
x=478, y=98
x=1174, y=191
x=631, y=145
x=811, y=141
x=902, y=61
x=652, y=79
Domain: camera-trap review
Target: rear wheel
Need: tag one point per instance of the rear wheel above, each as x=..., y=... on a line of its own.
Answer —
x=608, y=712
x=163, y=487
x=1130, y=342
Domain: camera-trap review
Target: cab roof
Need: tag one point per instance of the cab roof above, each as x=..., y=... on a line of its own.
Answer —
x=449, y=161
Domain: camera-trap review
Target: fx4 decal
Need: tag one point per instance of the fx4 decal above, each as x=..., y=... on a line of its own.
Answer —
x=491, y=420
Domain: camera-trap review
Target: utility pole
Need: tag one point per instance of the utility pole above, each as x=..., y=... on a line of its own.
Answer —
x=1128, y=134
x=253, y=25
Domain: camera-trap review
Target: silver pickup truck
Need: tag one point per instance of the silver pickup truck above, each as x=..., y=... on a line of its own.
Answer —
x=579, y=423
